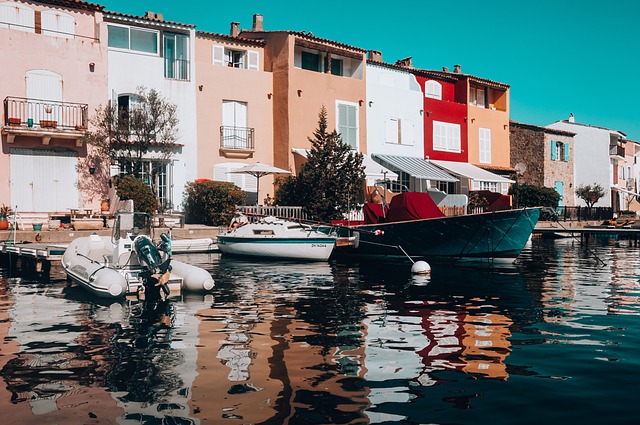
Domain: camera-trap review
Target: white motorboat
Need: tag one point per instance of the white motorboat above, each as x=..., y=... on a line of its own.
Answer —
x=276, y=238
x=117, y=265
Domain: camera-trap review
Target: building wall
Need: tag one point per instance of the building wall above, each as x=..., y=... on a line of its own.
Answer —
x=220, y=83
x=393, y=94
x=528, y=148
x=128, y=70
x=498, y=122
x=71, y=59
x=592, y=163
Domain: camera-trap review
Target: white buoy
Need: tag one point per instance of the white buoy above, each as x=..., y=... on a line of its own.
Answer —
x=421, y=267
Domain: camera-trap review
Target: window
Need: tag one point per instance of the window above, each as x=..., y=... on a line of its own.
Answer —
x=235, y=134
x=176, y=56
x=310, y=61
x=336, y=66
x=235, y=58
x=490, y=186
x=559, y=151
x=17, y=16
x=446, y=136
x=58, y=24
x=477, y=96
x=135, y=39
x=433, y=89
x=155, y=174
x=348, y=124
x=399, y=131
x=485, y=145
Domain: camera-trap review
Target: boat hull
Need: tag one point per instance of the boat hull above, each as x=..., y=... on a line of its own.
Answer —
x=494, y=235
x=303, y=249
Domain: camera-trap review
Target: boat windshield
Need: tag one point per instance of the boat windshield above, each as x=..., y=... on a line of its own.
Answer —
x=130, y=225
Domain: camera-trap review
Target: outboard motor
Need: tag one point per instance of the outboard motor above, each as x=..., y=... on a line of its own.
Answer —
x=157, y=267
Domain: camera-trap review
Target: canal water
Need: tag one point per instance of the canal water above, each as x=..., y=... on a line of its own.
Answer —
x=553, y=339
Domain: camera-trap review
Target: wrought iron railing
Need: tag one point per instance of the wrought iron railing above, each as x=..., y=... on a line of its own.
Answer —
x=177, y=69
x=617, y=151
x=236, y=137
x=38, y=113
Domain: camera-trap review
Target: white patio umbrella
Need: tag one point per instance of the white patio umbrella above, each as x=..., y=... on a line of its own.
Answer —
x=258, y=170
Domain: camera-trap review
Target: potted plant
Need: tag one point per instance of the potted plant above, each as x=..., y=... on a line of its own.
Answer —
x=4, y=213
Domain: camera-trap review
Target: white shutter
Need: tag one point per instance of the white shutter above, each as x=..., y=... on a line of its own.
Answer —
x=406, y=132
x=44, y=85
x=391, y=128
x=254, y=58
x=218, y=55
x=481, y=97
x=439, y=140
x=485, y=145
x=17, y=17
x=58, y=24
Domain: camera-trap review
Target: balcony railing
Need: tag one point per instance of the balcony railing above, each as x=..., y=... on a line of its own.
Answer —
x=236, y=138
x=177, y=69
x=617, y=151
x=37, y=113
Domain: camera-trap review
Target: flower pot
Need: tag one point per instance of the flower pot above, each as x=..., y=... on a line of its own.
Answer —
x=37, y=226
x=4, y=223
x=104, y=206
x=15, y=121
x=48, y=124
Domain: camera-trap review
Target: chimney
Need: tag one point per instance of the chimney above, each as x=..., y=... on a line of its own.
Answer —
x=571, y=118
x=445, y=69
x=154, y=16
x=258, y=23
x=456, y=69
x=375, y=55
x=406, y=62
x=235, y=29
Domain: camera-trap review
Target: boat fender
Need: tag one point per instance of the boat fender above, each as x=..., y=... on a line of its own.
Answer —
x=421, y=267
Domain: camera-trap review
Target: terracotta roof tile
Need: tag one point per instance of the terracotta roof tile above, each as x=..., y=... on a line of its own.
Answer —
x=74, y=4
x=255, y=42
x=545, y=129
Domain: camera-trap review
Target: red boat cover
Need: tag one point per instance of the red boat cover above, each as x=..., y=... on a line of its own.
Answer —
x=495, y=200
x=403, y=207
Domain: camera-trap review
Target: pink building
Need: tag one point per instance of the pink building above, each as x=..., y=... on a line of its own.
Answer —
x=54, y=80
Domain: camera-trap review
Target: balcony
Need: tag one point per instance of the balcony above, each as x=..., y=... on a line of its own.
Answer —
x=44, y=119
x=236, y=142
x=176, y=69
x=617, y=151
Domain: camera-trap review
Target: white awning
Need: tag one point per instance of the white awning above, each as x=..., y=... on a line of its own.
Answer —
x=372, y=169
x=416, y=167
x=470, y=171
x=619, y=189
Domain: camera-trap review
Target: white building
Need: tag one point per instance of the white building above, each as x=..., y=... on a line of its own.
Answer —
x=598, y=153
x=148, y=51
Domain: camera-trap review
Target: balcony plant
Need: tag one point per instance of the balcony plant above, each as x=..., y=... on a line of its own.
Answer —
x=5, y=211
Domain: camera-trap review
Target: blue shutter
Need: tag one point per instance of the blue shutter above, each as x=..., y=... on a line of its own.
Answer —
x=553, y=150
x=566, y=152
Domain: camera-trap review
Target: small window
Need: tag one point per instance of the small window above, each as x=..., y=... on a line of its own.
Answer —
x=234, y=58
x=133, y=39
x=446, y=136
x=336, y=66
x=17, y=16
x=433, y=89
x=310, y=61
x=477, y=96
x=58, y=24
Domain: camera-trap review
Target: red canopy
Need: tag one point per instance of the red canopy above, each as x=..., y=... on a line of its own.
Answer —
x=403, y=207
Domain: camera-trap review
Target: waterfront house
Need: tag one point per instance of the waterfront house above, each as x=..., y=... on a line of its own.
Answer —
x=544, y=157
x=54, y=76
x=310, y=72
x=156, y=54
x=628, y=177
x=598, y=153
x=235, y=110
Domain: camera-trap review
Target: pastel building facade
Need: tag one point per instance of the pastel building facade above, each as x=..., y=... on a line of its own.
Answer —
x=57, y=52
x=234, y=110
x=544, y=157
x=146, y=51
x=598, y=153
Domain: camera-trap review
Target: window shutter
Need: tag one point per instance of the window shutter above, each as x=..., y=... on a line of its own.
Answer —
x=392, y=130
x=406, y=132
x=253, y=60
x=553, y=150
x=566, y=152
x=218, y=55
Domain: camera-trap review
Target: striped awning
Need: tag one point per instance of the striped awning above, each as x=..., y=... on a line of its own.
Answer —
x=470, y=171
x=416, y=167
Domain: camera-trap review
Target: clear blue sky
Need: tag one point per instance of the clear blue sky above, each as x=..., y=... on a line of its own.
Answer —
x=558, y=56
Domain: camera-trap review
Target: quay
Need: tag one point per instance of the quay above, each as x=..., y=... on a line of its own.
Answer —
x=34, y=252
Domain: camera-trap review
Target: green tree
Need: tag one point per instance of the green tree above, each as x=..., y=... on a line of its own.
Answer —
x=590, y=194
x=331, y=182
x=211, y=202
x=526, y=195
x=129, y=187
x=128, y=134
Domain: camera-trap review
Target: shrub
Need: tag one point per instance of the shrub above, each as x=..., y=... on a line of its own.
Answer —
x=211, y=202
x=129, y=187
x=526, y=195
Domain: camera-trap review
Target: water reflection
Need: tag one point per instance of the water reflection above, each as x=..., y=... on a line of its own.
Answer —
x=327, y=343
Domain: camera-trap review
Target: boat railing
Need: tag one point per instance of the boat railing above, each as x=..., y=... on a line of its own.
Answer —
x=256, y=212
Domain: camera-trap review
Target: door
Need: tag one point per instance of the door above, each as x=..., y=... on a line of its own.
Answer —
x=559, y=187
x=234, y=121
x=44, y=94
x=43, y=180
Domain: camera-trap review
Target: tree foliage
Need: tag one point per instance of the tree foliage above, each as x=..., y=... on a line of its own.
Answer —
x=590, y=194
x=211, y=202
x=129, y=187
x=128, y=135
x=525, y=195
x=331, y=182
